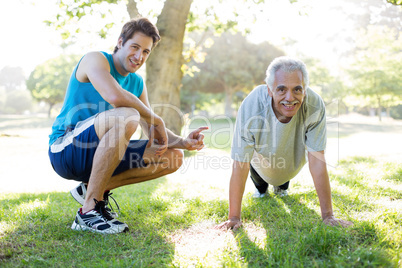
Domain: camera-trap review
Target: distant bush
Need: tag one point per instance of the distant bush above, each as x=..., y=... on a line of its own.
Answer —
x=396, y=112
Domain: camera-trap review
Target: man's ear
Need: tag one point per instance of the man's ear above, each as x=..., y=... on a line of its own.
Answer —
x=269, y=91
x=120, y=42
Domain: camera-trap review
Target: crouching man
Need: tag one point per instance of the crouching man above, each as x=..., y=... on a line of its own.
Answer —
x=90, y=142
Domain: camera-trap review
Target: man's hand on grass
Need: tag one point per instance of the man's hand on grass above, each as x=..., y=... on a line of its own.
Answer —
x=233, y=223
x=332, y=221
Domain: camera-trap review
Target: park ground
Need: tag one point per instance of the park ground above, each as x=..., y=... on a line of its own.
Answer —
x=25, y=165
x=172, y=218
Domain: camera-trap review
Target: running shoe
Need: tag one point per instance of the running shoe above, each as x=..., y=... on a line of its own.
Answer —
x=280, y=192
x=96, y=221
x=257, y=194
x=79, y=193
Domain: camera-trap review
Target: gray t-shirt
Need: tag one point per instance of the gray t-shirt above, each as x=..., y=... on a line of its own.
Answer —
x=277, y=151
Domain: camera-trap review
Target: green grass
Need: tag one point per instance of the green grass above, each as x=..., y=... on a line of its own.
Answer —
x=170, y=229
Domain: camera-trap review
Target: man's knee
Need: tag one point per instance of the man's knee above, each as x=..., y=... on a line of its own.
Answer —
x=176, y=159
x=123, y=120
x=127, y=117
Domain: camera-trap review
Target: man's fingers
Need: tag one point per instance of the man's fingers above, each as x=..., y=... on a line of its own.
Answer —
x=346, y=223
x=237, y=226
x=197, y=131
x=234, y=225
x=337, y=222
x=199, y=148
x=200, y=137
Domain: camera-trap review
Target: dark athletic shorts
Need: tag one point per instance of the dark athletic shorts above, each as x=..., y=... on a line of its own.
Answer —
x=71, y=155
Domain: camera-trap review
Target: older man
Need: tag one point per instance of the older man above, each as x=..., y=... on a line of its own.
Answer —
x=276, y=124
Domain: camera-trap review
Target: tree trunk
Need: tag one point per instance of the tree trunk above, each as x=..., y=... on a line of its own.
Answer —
x=379, y=108
x=164, y=65
x=388, y=109
x=132, y=9
x=49, y=112
x=228, y=102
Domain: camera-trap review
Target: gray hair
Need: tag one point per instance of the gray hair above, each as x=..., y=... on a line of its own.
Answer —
x=288, y=65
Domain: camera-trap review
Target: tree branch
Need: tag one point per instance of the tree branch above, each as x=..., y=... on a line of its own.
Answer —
x=132, y=9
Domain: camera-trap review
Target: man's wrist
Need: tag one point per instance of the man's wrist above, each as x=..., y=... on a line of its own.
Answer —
x=327, y=215
x=234, y=218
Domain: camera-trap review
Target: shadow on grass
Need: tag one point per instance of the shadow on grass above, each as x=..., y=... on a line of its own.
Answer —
x=35, y=230
x=395, y=175
x=296, y=237
x=358, y=168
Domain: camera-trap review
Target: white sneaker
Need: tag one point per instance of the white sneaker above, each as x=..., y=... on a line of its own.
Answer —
x=257, y=194
x=97, y=220
x=79, y=193
x=280, y=192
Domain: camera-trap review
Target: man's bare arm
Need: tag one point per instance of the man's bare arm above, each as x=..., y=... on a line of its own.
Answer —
x=194, y=141
x=94, y=68
x=238, y=180
x=318, y=170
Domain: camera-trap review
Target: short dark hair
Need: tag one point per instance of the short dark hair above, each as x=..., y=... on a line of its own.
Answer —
x=142, y=25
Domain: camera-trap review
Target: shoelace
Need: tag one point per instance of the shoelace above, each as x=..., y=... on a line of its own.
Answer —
x=107, y=203
x=100, y=207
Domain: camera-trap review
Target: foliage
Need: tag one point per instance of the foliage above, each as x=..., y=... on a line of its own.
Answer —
x=331, y=88
x=48, y=81
x=173, y=19
x=75, y=14
x=395, y=2
x=14, y=99
x=396, y=111
x=377, y=69
x=232, y=64
x=73, y=11
x=11, y=77
x=377, y=13
x=17, y=102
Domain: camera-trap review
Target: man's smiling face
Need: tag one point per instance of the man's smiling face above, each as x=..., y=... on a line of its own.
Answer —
x=134, y=53
x=287, y=94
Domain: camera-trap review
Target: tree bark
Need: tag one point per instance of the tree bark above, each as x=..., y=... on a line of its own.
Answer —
x=132, y=9
x=164, y=65
x=379, y=111
x=229, y=111
x=49, y=112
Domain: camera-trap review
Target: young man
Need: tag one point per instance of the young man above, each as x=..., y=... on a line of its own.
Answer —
x=90, y=141
x=276, y=124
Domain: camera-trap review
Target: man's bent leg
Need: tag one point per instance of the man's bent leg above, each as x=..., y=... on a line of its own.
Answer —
x=156, y=167
x=259, y=183
x=114, y=129
x=284, y=186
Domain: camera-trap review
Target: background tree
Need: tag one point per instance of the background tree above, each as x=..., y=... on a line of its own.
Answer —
x=377, y=70
x=331, y=88
x=395, y=2
x=11, y=78
x=232, y=65
x=18, y=102
x=48, y=81
x=164, y=67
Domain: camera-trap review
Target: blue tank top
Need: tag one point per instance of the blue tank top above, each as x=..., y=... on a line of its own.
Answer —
x=82, y=100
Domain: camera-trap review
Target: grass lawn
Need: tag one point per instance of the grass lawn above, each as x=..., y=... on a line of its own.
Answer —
x=171, y=224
